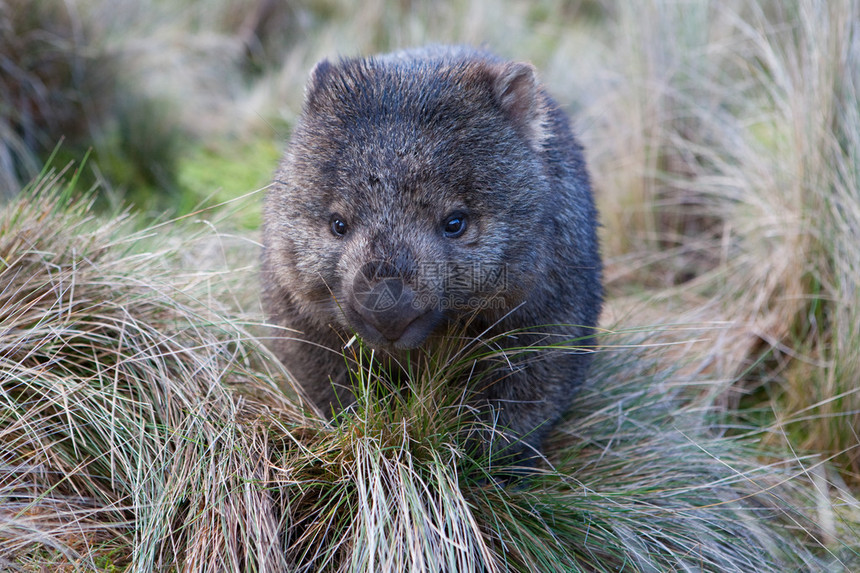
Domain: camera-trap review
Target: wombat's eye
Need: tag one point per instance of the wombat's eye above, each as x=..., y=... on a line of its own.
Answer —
x=338, y=226
x=454, y=225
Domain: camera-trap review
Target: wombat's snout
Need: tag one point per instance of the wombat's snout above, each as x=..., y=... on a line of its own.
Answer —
x=393, y=310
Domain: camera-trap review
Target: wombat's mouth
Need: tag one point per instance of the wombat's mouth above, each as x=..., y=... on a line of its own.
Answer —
x=411, y=335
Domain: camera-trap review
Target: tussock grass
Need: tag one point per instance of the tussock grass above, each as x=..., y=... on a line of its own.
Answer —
x=723, y=142
x=44, y=67
x=117, y=418
x=142, y=428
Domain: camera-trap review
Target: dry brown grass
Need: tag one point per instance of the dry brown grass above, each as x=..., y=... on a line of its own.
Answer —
x=143, y=428
x=724, y=143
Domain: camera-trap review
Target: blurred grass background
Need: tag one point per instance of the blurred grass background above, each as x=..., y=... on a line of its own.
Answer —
x=723, y=139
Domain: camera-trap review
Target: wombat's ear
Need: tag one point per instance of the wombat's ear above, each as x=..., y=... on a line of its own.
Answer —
x=518, y=93
x=319, y=77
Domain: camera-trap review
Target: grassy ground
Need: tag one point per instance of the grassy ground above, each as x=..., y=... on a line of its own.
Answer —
x=144, y=427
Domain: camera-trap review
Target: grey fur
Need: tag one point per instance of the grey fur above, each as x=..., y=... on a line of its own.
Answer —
x=396, y=147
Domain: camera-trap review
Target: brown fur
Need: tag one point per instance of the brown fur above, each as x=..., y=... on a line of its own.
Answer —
x=398, y=148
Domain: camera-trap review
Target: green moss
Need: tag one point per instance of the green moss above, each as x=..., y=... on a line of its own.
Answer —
x=226, y=170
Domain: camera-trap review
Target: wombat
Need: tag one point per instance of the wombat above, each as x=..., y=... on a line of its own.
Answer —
x=426, y=194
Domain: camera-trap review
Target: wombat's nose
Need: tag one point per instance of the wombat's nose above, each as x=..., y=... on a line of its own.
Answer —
x=389, y=306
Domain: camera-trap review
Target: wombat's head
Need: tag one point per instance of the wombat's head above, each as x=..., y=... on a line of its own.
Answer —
x=413, y=192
